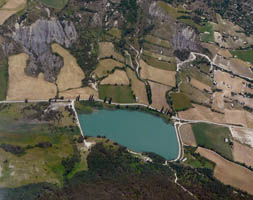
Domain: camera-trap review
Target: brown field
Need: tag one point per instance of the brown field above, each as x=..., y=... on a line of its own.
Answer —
x=71, y=75
x=159, y=95
x=234, y=64
x=105, y=66
x=22, y=86
x=199, y=85
x=119, y=77
x=83, y=92
x=187, y=135
x=228, y=172
x=10, y=8
x=158, y=75
x=201, y=113
x=214, y=49
x=106, y=50
x=227, y=83
x=138, y=87
x=239, y=117
x=243, y=153
x=218, y=102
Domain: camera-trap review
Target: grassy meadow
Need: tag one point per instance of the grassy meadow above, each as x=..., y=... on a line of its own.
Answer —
x=180, y=101
x=213, y=137
x=119, y=94
x=58, y=4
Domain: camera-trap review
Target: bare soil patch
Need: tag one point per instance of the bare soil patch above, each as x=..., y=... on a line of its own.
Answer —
x=83, y=92
x=187, y=135
x=105, y=66
x=10, y=8
x=243, y=135
x=159, y=95
x=107, y=50
x=202, y=113
x=71, y=75
x=199, y=85
x=228, y=172
x=243, y=153
x=138, y=87
x=118, y=77
x=235, y=65
x=227, y=84
x=22, y=86
x=240, y=117
x=158, y=75
x=218, y=102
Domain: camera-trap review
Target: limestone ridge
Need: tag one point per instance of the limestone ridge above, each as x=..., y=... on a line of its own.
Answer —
x=37, y=39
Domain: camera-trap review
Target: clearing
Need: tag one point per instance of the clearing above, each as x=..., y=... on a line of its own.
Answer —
x=243, y=153
x=213, y=137
x=158, y=75
x=119, y=94
x=228, y=172
x=187, y=135
x=118, y=77
x=10, y=8
x=159, y=95
x=106, y=66
x=23, y=87
x=71, y=75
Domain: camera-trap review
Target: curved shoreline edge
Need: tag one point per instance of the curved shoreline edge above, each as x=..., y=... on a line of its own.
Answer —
x=89, y=144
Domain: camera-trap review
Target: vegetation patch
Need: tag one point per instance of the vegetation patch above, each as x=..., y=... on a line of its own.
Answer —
x=154, y=62
x=207, y=33
x=180, y=101
x=213, y=137
x=3, y=79
x=119, y=94
x=245, y=55
x=58, y=4
x=195, y=160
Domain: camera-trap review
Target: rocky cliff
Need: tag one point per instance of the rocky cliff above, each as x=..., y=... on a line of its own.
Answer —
x=36, y=40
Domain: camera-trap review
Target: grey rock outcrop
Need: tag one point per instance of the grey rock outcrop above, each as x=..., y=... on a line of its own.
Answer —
x=37, y=39
x=186, y=39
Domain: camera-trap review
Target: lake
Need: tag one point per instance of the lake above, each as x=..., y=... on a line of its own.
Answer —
x=138, y=131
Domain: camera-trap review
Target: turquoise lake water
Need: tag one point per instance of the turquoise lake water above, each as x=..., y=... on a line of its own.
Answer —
x=138, y=131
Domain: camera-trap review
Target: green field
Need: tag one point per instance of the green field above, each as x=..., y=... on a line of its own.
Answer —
x=180, y=101
x=195, y=160
x=159, y=64
x=245, y=55
x=207, y=33
x=213, y=137
x=119, y=94
x=3, y=79
x=58, y=4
